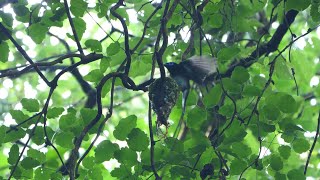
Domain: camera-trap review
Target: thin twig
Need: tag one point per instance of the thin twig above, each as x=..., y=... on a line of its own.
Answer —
x=76, y=38
x=23, y=53
x=313, y=145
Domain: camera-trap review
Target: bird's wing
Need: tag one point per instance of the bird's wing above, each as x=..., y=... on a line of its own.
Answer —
x=199, y=67
x=205, y=63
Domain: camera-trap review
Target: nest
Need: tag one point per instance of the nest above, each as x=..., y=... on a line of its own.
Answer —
x=163, y=94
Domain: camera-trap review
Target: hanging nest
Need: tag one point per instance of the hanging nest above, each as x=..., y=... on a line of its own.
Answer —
x=163, y=94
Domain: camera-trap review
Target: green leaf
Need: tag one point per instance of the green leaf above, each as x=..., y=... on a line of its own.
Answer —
x=29, y=163
x=213, y=97
x=106, y=88
x=18, y=115
x=3, y=132
x=57, y=16
x=37, y=138
x=282, y=71
x=56, y=176
x=13, y=154
x=20, y=10
x=296, y=174
x=196, y=117
x=267, y=127
x=27, y=173
x=104, y=64
x=18, y=134
x=42, y=173
x=216, y=21
x=174, y=144
x=300, y=145
x=240, y=74
x=94, y=76
x=279, y=176
x=80, y=26
x=37, y=155
x=251, y=91
x=105, y=151
x=235, y=133
x=276, y=162
x=124, y=127
x=126, y=156
x=177, y=171
x=37, y=32
x=78, y=7
x=287, y=104
x=94, y=45
x=4, y=52
x=284, y=151
x=95, y=173
x=121, y=172
x=139, y=68
x=237, y=166
x=297, y=4
x=89, y=162
x=113, y=48
x=271, y=112
x=314, y=12
x=54, y=112
x=31, y=105
x=68, y=121
x=65, y=139
x=259, y=81
x=231, y=85
x=242, y=150
x=6, y=19
x=227, y=54
x=197, y=143
x=137, y=140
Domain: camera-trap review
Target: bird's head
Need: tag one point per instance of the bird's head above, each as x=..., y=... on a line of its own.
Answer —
x=171, y=66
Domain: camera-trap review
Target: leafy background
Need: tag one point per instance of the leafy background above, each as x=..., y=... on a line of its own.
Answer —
x=75, y=75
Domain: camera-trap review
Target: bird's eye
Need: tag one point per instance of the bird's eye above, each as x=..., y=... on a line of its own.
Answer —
x=170, y=63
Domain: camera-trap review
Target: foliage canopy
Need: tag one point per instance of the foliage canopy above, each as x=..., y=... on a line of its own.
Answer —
x=75, y=75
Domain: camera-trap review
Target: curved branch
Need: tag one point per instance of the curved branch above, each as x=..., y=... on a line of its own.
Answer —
x=267, y=48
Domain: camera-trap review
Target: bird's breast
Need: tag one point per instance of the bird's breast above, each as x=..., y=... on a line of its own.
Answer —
x=182, y=81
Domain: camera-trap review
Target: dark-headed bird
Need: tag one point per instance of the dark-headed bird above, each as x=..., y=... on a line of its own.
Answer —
x=197, y=68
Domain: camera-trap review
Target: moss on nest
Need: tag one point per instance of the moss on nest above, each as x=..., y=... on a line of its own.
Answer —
x=163, y=94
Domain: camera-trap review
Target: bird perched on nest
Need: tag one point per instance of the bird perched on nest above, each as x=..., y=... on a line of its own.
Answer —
x=197, y=68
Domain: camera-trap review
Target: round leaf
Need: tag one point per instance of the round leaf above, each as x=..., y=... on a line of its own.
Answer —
x=276, y=163
x=240, y=74
x=213, y=97
x=196, y=117
x=284, y=151
x=124, y=127
x=300, y=145
x=31, y=105
x=113, y=49
x=137, y=140
x=29, y=163
x=105, y=151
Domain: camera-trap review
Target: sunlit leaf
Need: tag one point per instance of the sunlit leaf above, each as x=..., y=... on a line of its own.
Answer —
x=124, y=127
x=31, y=105
x=94, y=45
x=113, y=48
x=78, y=7
x=4, y=52
x=105, y=151
x=37, y=32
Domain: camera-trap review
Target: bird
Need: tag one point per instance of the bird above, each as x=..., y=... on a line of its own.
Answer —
x=197, y=68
